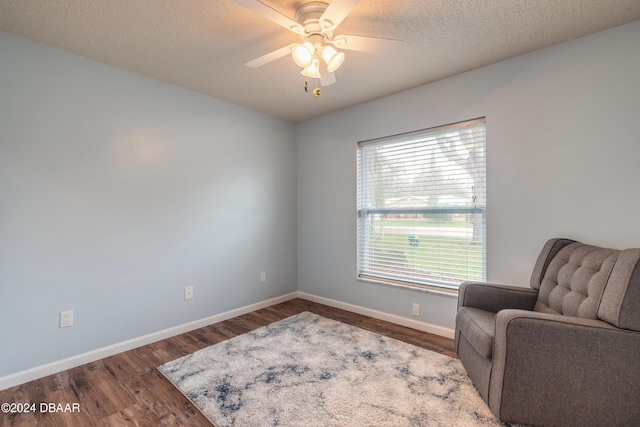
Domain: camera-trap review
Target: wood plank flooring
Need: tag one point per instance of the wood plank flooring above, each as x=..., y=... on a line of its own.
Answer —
x=127, y=389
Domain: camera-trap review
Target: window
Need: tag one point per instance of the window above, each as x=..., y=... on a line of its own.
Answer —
x=421, y=207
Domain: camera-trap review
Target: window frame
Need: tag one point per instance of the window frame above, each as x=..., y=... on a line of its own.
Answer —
x=364, y=212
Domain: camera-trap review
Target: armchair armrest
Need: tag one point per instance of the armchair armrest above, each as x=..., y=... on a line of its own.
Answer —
x=494, y=297
x=541, y=362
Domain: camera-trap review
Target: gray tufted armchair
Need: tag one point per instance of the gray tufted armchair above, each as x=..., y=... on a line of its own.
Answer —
x=565, y=352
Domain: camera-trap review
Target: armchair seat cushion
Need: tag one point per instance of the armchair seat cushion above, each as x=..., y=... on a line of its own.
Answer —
x=478, y=327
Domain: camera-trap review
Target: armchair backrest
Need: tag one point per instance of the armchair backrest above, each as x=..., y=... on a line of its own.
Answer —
x=579, y=280
x=574, y=279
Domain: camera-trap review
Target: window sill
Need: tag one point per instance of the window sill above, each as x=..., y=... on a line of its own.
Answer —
x=432, y=289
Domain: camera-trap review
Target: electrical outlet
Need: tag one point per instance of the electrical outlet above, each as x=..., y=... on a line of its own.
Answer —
x=66, y=319
x=263, y=277
x=188, y=293
x=416, y=309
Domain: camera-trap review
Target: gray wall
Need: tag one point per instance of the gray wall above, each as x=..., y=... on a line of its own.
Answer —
x=117, y=191
x=562, y=160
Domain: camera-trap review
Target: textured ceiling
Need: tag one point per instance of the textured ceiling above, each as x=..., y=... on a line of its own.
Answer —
x=203, y=45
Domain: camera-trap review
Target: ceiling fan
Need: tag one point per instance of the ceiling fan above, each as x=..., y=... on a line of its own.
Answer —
x=315, y=23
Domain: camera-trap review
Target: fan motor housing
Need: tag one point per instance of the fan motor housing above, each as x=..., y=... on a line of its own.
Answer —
x=308, y=15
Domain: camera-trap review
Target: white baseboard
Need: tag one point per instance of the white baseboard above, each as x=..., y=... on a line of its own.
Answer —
x=91, y=356
x=392, y=318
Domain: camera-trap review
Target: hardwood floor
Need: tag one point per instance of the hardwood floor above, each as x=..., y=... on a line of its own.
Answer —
x=126, y=389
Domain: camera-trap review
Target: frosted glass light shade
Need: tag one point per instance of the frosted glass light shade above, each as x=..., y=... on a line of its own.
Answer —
x=312, y=70
x=333, y=58
x=303, y=54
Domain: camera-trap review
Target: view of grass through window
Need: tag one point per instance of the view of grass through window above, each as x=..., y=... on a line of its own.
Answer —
x=421, y=247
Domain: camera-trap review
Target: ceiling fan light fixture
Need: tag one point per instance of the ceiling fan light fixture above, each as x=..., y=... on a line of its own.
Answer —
x=303, y=54
x=333, y=58
x=313, y=70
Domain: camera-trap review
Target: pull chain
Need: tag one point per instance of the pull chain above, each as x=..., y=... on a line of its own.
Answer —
x=317, y=92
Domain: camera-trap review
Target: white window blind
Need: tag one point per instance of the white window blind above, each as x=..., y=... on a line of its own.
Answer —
x=421, y=206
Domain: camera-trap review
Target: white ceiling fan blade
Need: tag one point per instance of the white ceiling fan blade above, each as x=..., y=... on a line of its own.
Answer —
x=365, y=44
x=271, y=14
x=269, y=57
x=327, y=78
x=336, y=12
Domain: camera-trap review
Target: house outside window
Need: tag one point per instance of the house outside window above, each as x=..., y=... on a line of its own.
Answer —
x=421, y=208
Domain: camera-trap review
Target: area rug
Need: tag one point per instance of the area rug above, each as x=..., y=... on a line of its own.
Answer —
x=307, y=370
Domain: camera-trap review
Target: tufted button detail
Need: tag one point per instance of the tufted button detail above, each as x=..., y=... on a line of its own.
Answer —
x=574, y=281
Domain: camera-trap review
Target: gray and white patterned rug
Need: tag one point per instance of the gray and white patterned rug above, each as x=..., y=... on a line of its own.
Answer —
x=308, y=370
